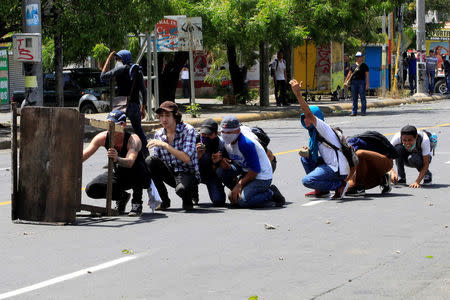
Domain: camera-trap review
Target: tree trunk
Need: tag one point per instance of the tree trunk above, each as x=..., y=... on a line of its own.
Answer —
x=287, y=51
x=169, y=74
x=236, y=73
x=58, y=59
x=263, y=74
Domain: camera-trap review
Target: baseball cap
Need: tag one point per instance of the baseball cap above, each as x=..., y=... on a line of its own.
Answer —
x=229, y=123
x=167, y=106
x=358, y=54
x=209, y=126
x=117, y=116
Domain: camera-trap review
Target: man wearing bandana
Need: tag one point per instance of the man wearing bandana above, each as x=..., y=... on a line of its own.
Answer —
x=414, y=151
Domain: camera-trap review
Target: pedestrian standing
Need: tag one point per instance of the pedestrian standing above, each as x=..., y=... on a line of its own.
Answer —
x=412, y=71
x=130, y=81
x=447, y=72
x=431, y=63
x=278, y=72
x=185, y=81
x=358, y=76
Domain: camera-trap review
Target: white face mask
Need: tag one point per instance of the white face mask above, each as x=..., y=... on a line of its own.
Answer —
x=119, y=63
x=230, y=138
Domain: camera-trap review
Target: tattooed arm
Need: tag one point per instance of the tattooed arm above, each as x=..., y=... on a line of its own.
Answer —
x=134, y=146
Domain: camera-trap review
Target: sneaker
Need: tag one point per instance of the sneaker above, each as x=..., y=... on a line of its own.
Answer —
x=401, y=181
x=188, y=206
x=386, y=185
x=164, y=205
x=340, y=192
x=122, y=203
x=136, y=210
x=317, y=194
x=277, y=197
x=428, y=178
x=355, y=192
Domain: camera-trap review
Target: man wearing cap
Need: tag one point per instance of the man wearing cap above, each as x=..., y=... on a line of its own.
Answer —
x=247, y=172
x=130, y=81
x=359, y=78
x=210, y=150
x=431, y=63
x=414, y=150
x=130, y=171
x=175, y=156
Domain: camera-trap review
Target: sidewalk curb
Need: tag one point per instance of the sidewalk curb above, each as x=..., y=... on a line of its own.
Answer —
x=327, y=109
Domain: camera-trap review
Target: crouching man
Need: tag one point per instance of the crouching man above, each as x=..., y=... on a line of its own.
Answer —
x=414, y=151
x=130, y=171
x=247, y=172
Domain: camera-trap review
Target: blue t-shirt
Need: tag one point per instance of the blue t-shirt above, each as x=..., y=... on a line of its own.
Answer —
x=250, y=155
x=431, y=63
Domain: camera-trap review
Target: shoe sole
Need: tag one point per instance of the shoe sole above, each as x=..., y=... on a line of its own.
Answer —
x=318, y=197
x=355, y=195
x=343, y=192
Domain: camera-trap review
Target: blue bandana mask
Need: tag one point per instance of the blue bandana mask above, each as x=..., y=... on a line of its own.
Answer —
x=205, y=140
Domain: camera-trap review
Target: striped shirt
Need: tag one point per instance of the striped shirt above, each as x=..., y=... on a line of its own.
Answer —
x=184, y=141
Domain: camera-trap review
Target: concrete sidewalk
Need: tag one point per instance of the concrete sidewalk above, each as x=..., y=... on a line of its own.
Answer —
x=213, y=108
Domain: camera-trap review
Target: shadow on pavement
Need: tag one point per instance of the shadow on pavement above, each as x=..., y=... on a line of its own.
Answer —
x=116, y=222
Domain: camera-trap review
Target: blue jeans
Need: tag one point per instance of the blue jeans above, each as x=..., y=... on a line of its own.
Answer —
x=320, y=176
x=359, y=87
x=133, y=113
x=430, y=81
x=215, y=190
x=412, y=82
x=255, y=194
x=448, y=83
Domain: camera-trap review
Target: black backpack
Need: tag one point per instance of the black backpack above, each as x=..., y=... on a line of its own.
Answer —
x=346, y=149
x=374, y=141
x=262, y=136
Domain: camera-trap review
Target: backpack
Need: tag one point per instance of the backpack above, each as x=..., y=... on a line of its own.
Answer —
x=373, y=141
x=262, y=136
x=346, y=149
x=433, y=140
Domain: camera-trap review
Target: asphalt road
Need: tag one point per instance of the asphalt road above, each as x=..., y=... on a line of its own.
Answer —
x=374, y=247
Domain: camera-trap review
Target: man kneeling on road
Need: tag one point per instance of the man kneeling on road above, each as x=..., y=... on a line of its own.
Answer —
x=248, y=172
x=130, y=171
x=414, y=151
x=326, y=169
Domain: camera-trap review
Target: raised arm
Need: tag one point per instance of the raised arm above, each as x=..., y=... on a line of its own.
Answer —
x=309, y=116
x=93, y=146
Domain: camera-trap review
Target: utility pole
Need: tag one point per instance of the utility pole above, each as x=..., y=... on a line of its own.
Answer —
x=390, y=35
x=420, y=45
x=383, y=57
x=31, y=23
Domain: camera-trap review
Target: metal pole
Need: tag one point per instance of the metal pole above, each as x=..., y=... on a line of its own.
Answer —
x=383, y=58
x=150, y=114
x=31, y=23
x=191, y=63
x=156, y=70
x=420, y=40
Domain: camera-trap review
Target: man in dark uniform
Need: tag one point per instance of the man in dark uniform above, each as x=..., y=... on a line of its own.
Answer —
x=130, y=171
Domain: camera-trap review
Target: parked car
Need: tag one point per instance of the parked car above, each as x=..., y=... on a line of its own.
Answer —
x=82, y=88
x=440, y=86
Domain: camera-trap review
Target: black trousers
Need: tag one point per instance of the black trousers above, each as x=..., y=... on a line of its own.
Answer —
x=185, y=184
x=406, y=158
x=97, y=188
x=280, y=92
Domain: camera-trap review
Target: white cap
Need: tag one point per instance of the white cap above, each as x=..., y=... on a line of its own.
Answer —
x=358, y=54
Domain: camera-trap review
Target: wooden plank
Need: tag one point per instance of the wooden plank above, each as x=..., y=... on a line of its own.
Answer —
x=102, y=124
x=13, y=160
x=80, y=165
x=98, y=210
x=49, y=181
x=109, y=186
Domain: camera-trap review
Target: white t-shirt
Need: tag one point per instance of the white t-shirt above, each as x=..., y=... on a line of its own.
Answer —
x=279, y=71
x=425, y=145
x=328, y=154
x=184, y=74
x=250, y=155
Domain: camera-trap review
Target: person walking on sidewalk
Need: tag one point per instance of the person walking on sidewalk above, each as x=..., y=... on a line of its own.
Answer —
x=278, y=71
x=412, y=73
x=247, y=172
x=414, y=150
x=358, y=76
x=175, y=159
x=447, y=72
x=130, y=81
x=326, y=169
x=431, y=63
x=130, y=171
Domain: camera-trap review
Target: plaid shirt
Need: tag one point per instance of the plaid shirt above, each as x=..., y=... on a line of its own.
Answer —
x=184, y=141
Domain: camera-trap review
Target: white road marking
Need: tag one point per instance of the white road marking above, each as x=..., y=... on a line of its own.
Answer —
x=311, y=203
x=67, y=277
x=448, y=162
